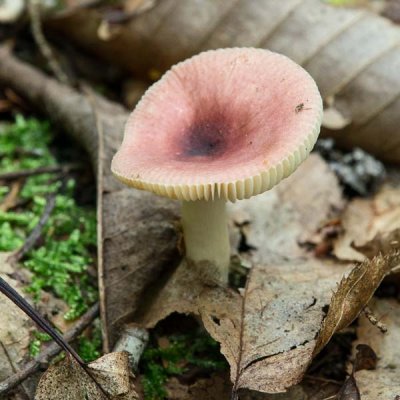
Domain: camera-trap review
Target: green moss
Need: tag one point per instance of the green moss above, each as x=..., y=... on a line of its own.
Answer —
x=89, y=346
x=194, y=349
x=60, y=263
x=36, y=343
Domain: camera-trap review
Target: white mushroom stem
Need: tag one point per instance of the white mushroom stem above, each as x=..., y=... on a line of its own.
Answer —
x=205, y=231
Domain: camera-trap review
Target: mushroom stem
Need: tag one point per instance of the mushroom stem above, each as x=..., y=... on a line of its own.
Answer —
x=205, y=231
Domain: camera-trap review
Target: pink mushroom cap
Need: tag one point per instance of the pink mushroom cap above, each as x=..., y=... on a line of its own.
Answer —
x=227, y=123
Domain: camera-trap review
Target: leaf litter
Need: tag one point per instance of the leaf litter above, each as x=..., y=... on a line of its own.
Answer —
x=364, y=219
x=271, y=330
x=67, y=380
x=15, y=327
x=382, y=382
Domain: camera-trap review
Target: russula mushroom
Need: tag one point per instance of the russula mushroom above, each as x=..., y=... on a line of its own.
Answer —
x=224, y=125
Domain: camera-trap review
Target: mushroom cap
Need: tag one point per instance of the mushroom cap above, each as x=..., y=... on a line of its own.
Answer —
x=227, y=123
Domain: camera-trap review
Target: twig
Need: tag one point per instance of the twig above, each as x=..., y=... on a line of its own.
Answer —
x=34, y=236
x=369, y=314
x=51, y=351
x=43, y=324
x=44, y=47
x=10, y=361
x=11, y=199
x=25, y=173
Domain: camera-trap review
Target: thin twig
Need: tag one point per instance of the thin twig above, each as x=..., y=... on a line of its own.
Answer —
x=43, y=324
x=35, y=234
x=372, y=318
x=25, y=173
x=50, y=351
x=41, y=41
x=10, y=361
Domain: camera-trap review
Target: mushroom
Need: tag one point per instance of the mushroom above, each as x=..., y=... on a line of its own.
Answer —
x=224, y=125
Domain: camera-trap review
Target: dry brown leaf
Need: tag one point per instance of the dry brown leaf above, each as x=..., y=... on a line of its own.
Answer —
x=15, y=326
x=352, y=54
x=290, y=213
x=190, y=289
x=67, y=380
x=270, y=343
x=366, y=358
x=365, y=219
x=383, y=383
x=353, y=293
x=381, y=243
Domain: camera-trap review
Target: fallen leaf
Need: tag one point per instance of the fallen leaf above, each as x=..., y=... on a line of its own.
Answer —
x=365, y=219
x=15, y=326
x=269, y=341
x=349, y=390
x=290, y=213
x=353, y=293
x=382, y=383
x=365, y=358
x=381, y=243
x=67, y=380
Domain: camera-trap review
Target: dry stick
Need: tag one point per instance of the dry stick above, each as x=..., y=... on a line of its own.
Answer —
x=50, y=351
x=25, y=173
x=369, y=314
x=44, y=47
x=37, y=230
x=10, y=361
x=43, y=324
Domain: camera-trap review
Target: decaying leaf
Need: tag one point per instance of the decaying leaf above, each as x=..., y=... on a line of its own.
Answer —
x=382, y=383
x=366, y=358
x=364, y=219
x=15, y=326
x=349, y=391
x=353, y=293
x=67, y=380
x=270, y=343
x=290, y=213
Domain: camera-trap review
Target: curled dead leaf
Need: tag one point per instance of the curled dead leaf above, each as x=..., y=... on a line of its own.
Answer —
x=353, y=293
